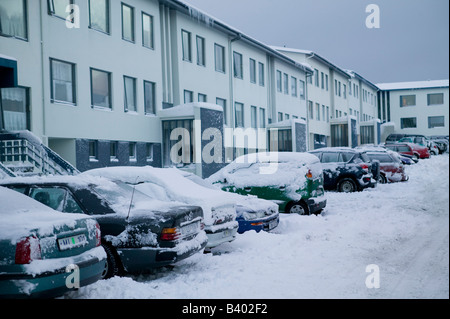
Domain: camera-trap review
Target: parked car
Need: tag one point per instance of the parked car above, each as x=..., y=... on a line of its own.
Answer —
x=420, y=140
x=432, y=147
x=39, y=248
x=403, y=149
x=419, y=151
x=252, y=213
x=168, y=185
x=441, y=142
x=346, y=169
x=395, y=137
x=292, y=180
x=139, y=233
x=391, y=167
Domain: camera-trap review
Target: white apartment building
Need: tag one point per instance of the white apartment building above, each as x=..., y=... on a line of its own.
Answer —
x=111, y=87
x=341, y=103
x=420, y=107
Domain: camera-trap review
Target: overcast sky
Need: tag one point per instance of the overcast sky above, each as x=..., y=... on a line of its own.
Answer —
x=412, y=43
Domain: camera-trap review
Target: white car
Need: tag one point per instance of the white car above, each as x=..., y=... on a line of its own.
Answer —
x=168, y=184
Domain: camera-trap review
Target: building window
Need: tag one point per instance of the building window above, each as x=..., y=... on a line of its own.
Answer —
x=254, y=118
x=178, y=133
x=302, y=89
x=261, y=73
x=252, y=71
x=284, y=141
x=188, y=96
x=58, y=7
x=93, y=150
x=279, y=79
x=99, y=15
x=317, y=111
x=149, y=97
x=202, y=97
x=262, y=118
x=13, y=19
x=186, y=45
x=339, y=135
x=113, y=147
x=436, y=121
x=310, y=110
x=223, y=104
x=130, y=94
x=132, y=151
x=328, y=114
x=219, y=57
x=435, y=99
x=14, y=107
x=200, y=51
x=294, y=86
x=237, y=65
x=100, y=88
x=408, y=122
x=286, y=83
x=323, y=113
x=62, y=81
x=322, y=80
x=127, y=23
x=407, y=100
x=326, y=82
x=316, y=77
x=239, y=114
x=147, y=31
x=345, y=91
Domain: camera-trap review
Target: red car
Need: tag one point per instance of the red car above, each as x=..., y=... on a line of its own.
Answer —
x=391, y=167
x=415, y=150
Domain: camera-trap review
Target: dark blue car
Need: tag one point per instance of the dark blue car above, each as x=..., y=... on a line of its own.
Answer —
x=346, y=169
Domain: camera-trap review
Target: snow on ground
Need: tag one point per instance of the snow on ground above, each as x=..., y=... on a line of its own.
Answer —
x=402, y=228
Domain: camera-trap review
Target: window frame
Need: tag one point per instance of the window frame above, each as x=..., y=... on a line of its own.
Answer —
x=109, y=74
x=25, y=25
x=74, y=86
x=189, y=46
x=153, y=100
x=107, y=17
x=151, y=36
x=133, y=23
x=216, y=61
x=238, y=65
x=125, y=100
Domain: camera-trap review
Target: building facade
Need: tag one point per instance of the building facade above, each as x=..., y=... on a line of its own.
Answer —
x=95, y=83
x=420, y=107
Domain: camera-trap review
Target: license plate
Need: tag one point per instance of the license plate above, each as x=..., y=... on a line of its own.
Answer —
x=189, y=229
x=72, y=241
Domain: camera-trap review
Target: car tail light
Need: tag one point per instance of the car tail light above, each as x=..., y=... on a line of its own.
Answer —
x=364, y=166
x=98, y=235
x=309, y=174
x=27, y=250
x=170, y=234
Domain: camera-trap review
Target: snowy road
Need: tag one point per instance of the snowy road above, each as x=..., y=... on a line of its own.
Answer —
x=402, y=229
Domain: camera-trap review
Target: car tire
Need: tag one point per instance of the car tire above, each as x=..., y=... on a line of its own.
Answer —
x=382, y=179
x=347, y=185
x=297, y=208
x=113, y=265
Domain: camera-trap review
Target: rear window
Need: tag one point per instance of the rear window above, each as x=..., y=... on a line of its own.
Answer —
x=345, y=157
x=383, y=158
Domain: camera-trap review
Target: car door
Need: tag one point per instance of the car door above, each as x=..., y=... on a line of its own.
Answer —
x=331, y=169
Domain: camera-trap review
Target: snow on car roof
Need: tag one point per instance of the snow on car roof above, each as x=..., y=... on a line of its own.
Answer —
x=22, y=216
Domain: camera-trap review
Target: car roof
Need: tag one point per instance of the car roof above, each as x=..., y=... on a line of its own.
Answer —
x=338, y=149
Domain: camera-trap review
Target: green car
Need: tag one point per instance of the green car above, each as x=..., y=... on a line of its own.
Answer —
x=292, y=180
x=45, y=253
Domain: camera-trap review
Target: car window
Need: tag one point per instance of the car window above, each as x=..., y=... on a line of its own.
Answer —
x=383, y=158
x=71, y=206
x=330, y=157
x=19, y=189
x=50, y=196
x=345, y=157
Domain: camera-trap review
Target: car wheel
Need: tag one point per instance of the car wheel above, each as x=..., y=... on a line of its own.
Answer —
x=113, y=266
x=347, y=185
x=297, y=208
x=382, y=179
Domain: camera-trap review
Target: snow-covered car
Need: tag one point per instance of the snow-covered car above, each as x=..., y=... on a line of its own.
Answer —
x=252, y=213
x=292, y=180
x=433, y=147
x=391, y=167
x=139, y=233
x=346, y=169
x=45, y=253
x=168, y=185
